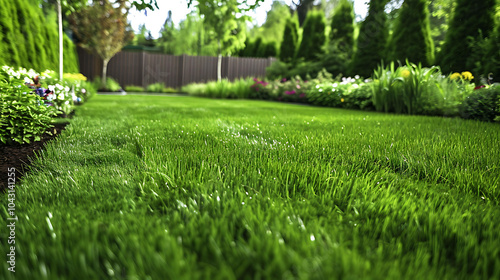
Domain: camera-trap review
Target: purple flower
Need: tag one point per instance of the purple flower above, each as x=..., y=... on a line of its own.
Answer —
x=302, y=95
x=290, y=92
x=283, y=80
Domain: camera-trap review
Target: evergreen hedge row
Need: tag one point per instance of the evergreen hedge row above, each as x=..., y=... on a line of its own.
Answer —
x=29, y=38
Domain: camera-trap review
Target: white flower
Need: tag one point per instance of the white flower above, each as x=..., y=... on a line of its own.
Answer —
x=335, y=85
x=356, y=77
x=31, y=73
x=52, y=88
x=27, y=80
x=60, y=96
x=355, y=86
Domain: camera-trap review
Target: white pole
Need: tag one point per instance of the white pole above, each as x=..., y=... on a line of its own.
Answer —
x=59, y=14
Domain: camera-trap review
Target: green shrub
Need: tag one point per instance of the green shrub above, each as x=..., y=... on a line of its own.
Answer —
x=24, y=117
x=482, y=105
x=111, y=84
x=86, y=91
x=195, y=89
x=337, y=94
x=170, y=90
x=277, y=70
x=360, y=97
x=133, y=88
x=156, y=87
x=240, y=88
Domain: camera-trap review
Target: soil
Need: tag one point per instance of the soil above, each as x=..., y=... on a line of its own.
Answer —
x=19, y=156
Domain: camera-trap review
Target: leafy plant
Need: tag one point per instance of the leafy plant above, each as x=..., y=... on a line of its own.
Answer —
x=24, y=117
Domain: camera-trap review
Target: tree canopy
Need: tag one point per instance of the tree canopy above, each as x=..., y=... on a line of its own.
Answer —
x=102, y=29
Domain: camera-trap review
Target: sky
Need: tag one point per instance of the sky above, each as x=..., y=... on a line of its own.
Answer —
x=154, y=19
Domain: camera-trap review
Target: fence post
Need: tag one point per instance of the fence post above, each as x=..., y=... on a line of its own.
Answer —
x=141, y=72
x=182, y=67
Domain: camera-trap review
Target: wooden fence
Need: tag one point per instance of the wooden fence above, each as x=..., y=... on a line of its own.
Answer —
x=142, y=68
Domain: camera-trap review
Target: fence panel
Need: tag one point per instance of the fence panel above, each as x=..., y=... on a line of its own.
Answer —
x=142, y=69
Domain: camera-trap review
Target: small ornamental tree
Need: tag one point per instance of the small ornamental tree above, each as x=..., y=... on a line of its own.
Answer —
x=102, y=30
x=223, y=17
x=412, y=36
x=313, y=36
x=471, y=19
x=290, y=39
x=372, y=40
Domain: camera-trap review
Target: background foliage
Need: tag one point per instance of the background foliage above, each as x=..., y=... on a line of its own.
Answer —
x=29, y=36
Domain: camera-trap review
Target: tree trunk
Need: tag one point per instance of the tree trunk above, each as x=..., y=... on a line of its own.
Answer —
x=104, y=73
x=219, y=62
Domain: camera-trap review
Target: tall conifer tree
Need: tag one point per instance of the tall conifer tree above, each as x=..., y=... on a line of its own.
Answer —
x=290, y=40
x=470, y=19
x=372, y=40
x=313, y=36
x=412, y=37
x=342, y=27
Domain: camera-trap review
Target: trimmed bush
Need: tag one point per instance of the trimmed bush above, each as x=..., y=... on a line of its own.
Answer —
x=483, y=105
x=133, y=88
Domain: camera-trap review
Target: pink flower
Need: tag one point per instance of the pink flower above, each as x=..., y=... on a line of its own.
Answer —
x=283, y=80
x=298, y=86
x=290, y=92
x=302, y=95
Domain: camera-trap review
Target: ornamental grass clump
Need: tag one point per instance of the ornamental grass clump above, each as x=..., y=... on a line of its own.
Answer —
x=413, y=89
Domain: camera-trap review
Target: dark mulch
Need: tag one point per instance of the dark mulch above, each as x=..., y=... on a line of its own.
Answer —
x=18, y=156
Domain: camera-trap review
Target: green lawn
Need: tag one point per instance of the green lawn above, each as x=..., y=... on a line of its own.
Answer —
x=155, y=187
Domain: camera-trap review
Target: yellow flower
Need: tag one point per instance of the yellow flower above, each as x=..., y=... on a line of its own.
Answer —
x=455, y=76
x=467, y=75
x=341, y=99
x=405, y=73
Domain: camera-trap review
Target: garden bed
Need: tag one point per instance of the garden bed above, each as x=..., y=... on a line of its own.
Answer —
x=19, y=156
